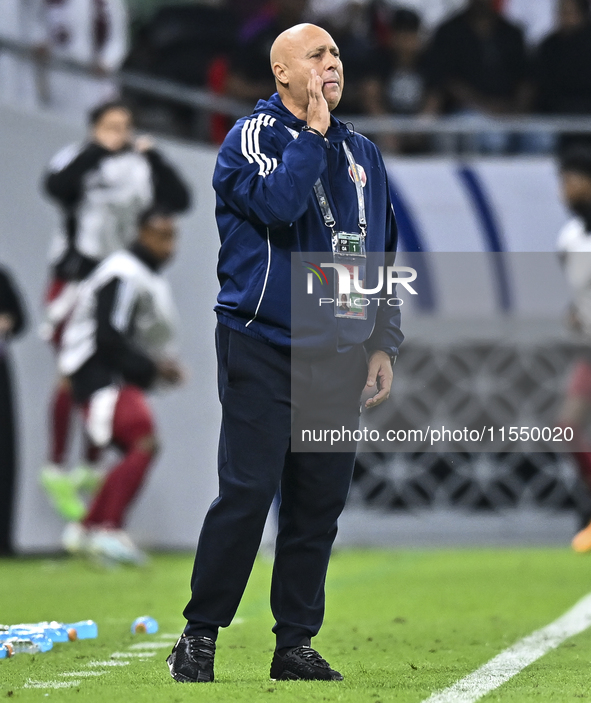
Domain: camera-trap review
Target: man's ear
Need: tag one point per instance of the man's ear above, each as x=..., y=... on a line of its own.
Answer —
x=280, y=73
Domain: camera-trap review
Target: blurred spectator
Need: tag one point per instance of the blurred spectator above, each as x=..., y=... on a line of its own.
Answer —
x=431, y=12
x=535, y=17
x=90, y=32
x=476, y=62
x=399, y=85
x=17, y=75
x=353, y=14
x=477, y=65
x=12, y=322
x=347, y=22
x=563, y=63
x=396, y=84
x=180, y=40
x=184, y=43
x=249, y=77
x=245, y=9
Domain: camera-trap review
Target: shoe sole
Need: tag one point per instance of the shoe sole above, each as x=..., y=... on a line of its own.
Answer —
x=104, y=559
x=289, y=676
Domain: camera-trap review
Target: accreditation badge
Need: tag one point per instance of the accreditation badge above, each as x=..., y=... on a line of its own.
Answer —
x=347, y=244
x=349, y=251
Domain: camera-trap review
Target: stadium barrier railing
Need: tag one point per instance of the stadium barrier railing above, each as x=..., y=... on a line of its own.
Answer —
x=207, y=102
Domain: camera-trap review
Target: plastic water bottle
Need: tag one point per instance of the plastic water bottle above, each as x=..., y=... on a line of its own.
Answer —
x=85, y=629
x=144, y=624
x=57, y=632
x=43, y=642
x=54, y=631
x=36, y=636
x=20, y=631
x=22, y=645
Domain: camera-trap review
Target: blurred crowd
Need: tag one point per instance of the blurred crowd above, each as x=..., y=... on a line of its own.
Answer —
x=401, y=57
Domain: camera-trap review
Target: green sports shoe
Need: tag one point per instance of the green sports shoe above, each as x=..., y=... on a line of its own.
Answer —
x=62, y=493
x=86, y=478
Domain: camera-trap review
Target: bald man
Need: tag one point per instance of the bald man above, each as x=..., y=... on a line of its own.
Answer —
x=290, y=178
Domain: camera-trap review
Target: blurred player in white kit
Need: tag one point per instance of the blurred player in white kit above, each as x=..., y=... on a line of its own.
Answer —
x=101, y=186
x=119, y=343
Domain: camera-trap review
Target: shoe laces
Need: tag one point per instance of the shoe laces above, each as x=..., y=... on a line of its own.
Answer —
x=311, y=656
x=201, y=647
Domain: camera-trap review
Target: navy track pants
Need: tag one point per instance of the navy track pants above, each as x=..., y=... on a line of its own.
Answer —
x=255, y=460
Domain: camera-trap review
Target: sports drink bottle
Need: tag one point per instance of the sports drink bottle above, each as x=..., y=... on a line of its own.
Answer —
x=144, y=624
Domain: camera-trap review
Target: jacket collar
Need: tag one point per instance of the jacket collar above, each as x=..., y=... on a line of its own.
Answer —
x=337, y=132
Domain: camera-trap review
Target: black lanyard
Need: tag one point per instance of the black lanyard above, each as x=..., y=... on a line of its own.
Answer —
x=320, y=193
x=324, y=205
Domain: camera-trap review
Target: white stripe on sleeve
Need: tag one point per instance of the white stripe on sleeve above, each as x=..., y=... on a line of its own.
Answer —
x=120, y=317
x=250, y=144
x=64, y=157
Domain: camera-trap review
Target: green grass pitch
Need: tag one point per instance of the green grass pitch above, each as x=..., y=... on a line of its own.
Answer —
x=399, y=625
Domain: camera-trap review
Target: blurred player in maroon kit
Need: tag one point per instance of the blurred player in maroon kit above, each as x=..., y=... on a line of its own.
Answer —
x=118, y=343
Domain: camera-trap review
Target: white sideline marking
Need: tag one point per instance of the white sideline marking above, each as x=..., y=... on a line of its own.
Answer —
x=512, y=660
x=150, y=645
x=51, y=684
x=142, y=656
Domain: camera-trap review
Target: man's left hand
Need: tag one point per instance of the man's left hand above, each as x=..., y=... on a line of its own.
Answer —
x=379, y=375
x=170, y=371
x=143, y=143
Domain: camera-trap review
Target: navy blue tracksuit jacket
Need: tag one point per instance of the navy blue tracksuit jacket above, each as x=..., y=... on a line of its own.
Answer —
x=267, y=209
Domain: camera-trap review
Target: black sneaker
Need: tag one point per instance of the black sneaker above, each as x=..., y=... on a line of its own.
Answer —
x=191, y=659
x=302, y=663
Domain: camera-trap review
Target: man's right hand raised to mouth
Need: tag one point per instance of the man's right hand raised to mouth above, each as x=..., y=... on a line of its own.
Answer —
x=318, y=116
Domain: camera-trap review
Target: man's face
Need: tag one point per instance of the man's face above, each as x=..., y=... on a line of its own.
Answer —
x=314, y=49
x=114, y=129
x=158, y=235
x=576, y=189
